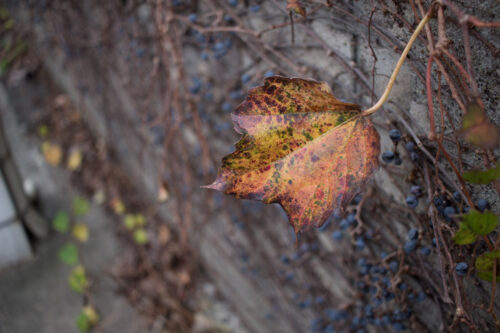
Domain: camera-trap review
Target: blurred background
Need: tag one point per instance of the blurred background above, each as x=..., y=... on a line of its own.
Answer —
x=114, y=113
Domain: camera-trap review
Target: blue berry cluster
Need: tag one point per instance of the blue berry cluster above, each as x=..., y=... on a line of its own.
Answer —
x=392, y=156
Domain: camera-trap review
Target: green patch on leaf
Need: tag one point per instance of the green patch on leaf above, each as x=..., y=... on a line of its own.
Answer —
x=69, y=254
x=83, y=323
x=87, y=318
x=464, y=235
x=482, y=177
x=140, y=236
x=475, y=224
x=61, y=222
x=78, y=280
x=484, y=265
x=132, y=221
x=80, y=206
x=481, y=223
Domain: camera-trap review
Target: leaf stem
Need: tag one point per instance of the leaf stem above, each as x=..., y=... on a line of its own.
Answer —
x=401, y=60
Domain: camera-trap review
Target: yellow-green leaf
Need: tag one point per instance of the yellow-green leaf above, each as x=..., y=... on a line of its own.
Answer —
x=302, y=148
x=480, y=223
x=81, y=232
x=80, y=206
x=74, y=160
x=140, y=236
x=129, y=221
x=118, y=206
x=43, y=131
x=484, y=265
x=87, y=318
x=464, y=235
x=78, y=280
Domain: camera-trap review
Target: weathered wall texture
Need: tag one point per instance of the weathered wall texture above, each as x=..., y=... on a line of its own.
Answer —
x=104, y=56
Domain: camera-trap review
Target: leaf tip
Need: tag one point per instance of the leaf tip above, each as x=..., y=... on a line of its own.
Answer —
x=216, y=185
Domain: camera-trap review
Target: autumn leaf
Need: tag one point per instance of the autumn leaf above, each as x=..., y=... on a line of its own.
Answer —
x=477, y=129
x=52, y=153
x=302, y=148
x=295, y=6
x=74, y=160
x=81, y=232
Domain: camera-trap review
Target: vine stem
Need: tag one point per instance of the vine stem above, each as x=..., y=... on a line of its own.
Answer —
x=401, y=60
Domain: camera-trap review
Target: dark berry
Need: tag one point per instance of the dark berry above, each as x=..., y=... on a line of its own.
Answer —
x=344, y=224
x=360, y=243
x=413, y=234
x=357, y=199
x=438, y=201
x=196, y=86
x=425, y=251
x=461, y=268
x=398, y=327
x=411, y=201
x=421, y=296
x=254, y=8
x=395, y=134
x=410, y=246
x=394, y=265
x=319, y=299
x=414, y=156
x=457, y=197
x=192, y=17
x=245, y=78
x=416, y=190
x=233, y=3
x=268, y=74
x=351, y=218
x=226, y=107
x=337, y=235
x=325, y=225
x=387, y=156
x=398, y=161
x=284, y=259
x=482, y=205
x=448, y=212
x=410, y=146
x=236, y=94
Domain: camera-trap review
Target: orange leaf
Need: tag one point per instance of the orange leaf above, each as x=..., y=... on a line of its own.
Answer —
x=294, y=5
x=302, y=148
x=477, y=129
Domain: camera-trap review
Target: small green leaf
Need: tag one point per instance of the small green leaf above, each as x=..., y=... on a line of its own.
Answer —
x=78, y=280
x=69, y=254
x=83, y=323
x=464, y=235
x=129, y=221
x=140, y=236
x=482, y=177
x=487, y=276
x=87, y=318
x=481, y=223
x=80, y=206
x=140, y=220
x=484, y=265
x=81, y=232
x=61, y=222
